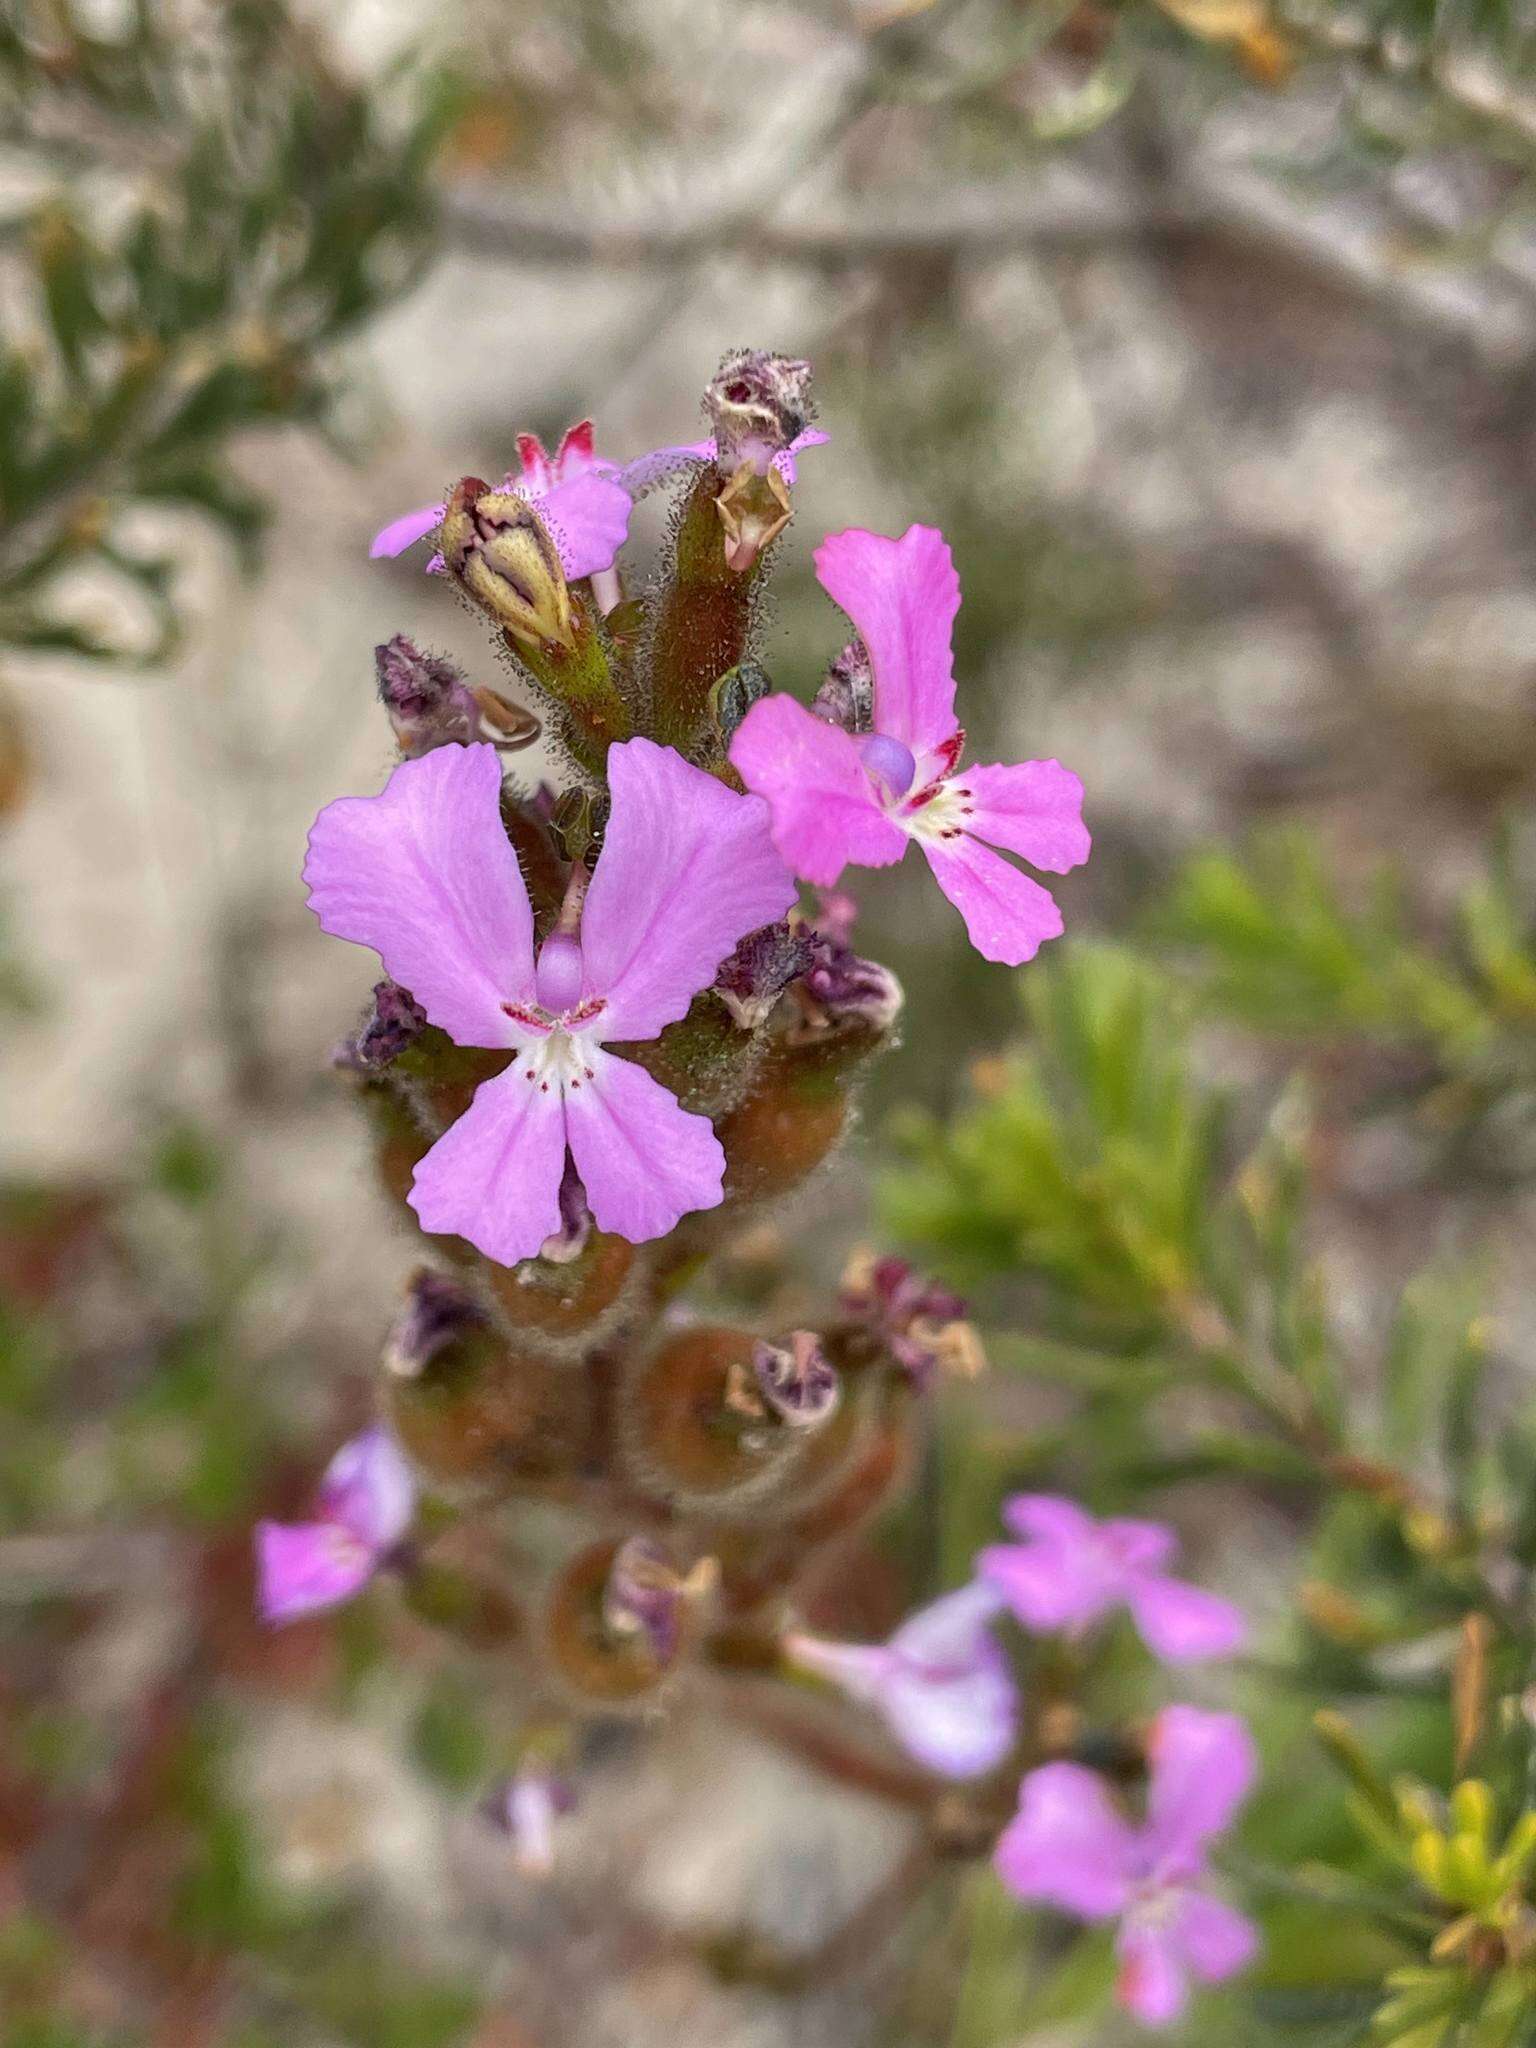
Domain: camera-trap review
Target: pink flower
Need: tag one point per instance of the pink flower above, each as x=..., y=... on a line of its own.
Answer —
x=575, y=492
x=1072, y=1569
x=840, y=796
x=941, y=1683
x=363, y=1508
x=1070, y=1847
x=425, y=874
x=582, y=498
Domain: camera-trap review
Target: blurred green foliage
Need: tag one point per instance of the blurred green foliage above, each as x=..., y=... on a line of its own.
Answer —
x=1161, y=1245
x=210, y=208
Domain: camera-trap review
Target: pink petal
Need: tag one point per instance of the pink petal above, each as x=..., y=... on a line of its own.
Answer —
x=577, y=452
x=1069, y=1846
x=960, y=1724
x=1202, y=1767
x=903, y=596
x=1034, y=809
x=950, y=1630
x=1184, y=1624
x=825, y=811
x=687, y=867
x=644, y=1161
x=1049, y=1517
x=1139, y=1546
x=405, y=531
x=950, y=1698
x=941, y=1684
x=647, y=471
x=1152, y=1983
x=1049, y=1587
x=538, y=472
x=424, y=873
x=368, y=1489
x=1218, y=1940
x=784, y=461
x=862, y=1670
x=1009, y=917
x=304, y=1566
x=494, y=1176
x=588, y=520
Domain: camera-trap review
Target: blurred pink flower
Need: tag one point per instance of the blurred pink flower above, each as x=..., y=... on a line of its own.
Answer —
x=425, y=874
x=862, y=797
x=364, y=1506
x=941, y=1684
x=1070, y=1847
x=1071, y=1570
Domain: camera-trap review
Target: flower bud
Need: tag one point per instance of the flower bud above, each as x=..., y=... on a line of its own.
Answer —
x=395, y=1023
x=797, y=1380
x=427, y=699
x=757, y=404
x=845, y=992
x=754, y=509
x=847, y=695
x=437, y=1310
x=763, y=965
x=499, y=551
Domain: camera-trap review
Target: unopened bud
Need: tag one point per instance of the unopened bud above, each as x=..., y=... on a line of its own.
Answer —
x=797, y=1380
x=496, y=548
x=757, y=404
x=847, y=695
x=393, y=1025
x=436, y=1311
x=763, y=965
x=754, y=509
x=734, y=695
x=844, y=990
x=427, y=699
